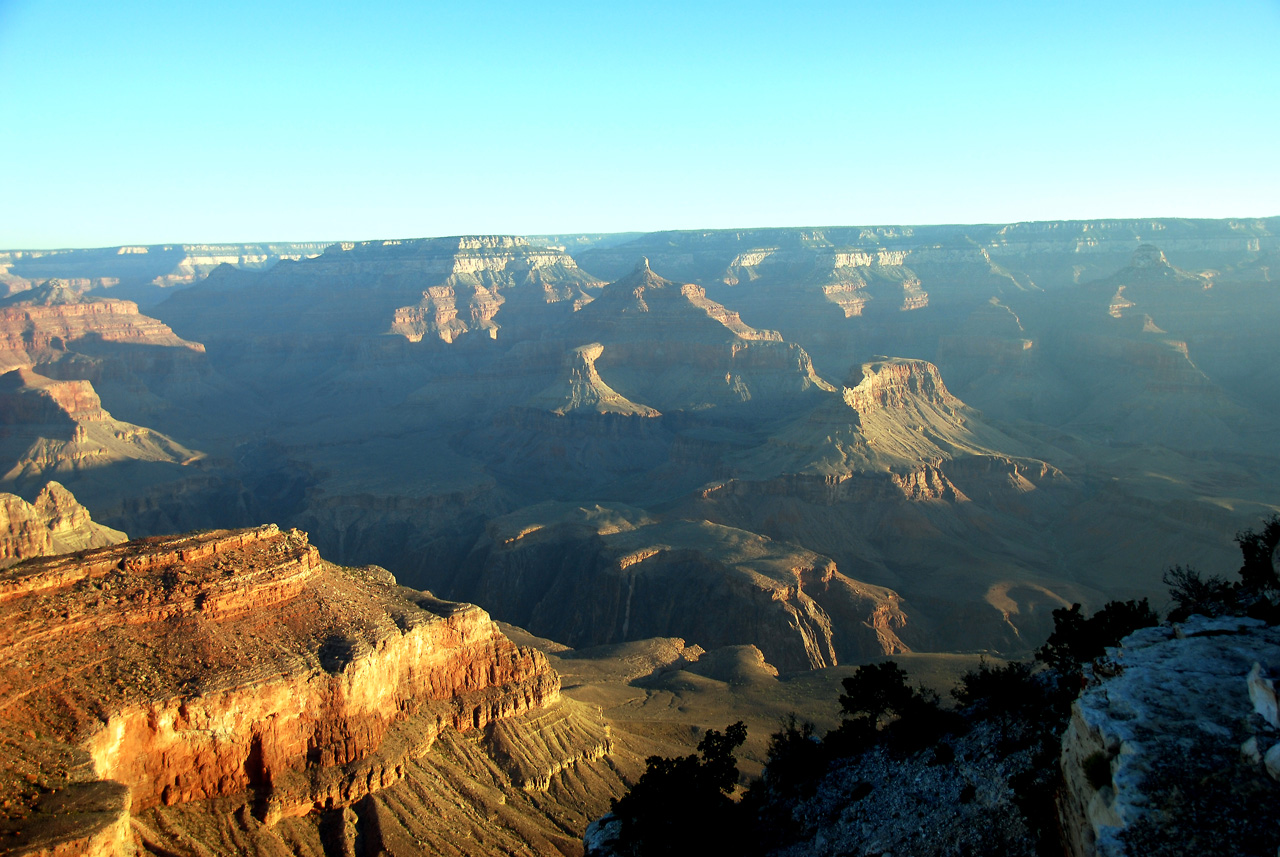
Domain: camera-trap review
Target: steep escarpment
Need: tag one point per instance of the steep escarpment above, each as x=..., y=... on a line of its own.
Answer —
x=144, y=272
x=1120, y=352
x=579, y=387
x=1046, y=254
x=590, y=575
x=831, y=292
x=894, y=417
x=61, y=427
x=438, y=289
x=52, y=323
x=234, y=665
x=54, y=523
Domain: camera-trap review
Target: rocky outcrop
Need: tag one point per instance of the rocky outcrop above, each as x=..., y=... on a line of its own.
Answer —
x=55, y=523
x=52, y=324
x=1165, y=750
x=872, y=476
x=879, y=802
x=823, y=283
x=144, y=272
x=580, y=388
x=895, y=418
x=227, y=663
x=947, y=258
x=60, y=427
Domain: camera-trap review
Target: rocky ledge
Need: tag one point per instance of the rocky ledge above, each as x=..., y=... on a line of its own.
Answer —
x=1173, y=747
x=228, y=663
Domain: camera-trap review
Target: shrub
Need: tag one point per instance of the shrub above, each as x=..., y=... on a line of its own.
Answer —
x=796, y=759
x=876, y=691
x=1257, y=572
x=1193, y=594
x=683, y=803
x=1076, y=640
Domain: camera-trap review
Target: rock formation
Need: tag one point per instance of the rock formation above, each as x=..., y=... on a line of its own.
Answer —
x=894, y=417
x=60, y=427
x=362, y=396
x=54, y=324
x=1165, y=750
x=604, y=574
x=667, y=345
x=54, y=524
x=143, y=273
x=896, y=460
x=235, y=668
x=438, y=289
x=580, y=388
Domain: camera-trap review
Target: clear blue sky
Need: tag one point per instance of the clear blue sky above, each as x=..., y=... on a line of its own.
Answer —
x=136, y=122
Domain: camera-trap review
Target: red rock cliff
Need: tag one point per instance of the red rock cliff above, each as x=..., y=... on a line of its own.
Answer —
x=194, y=667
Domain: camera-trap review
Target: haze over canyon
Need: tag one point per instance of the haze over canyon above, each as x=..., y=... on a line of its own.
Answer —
x=721, y=462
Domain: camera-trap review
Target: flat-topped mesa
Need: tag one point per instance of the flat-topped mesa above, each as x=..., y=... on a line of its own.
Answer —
x=201, y=666
x=893, y=382
x=1151, y=281
x=41, y=325
x=142, y=271
x=458, y=255
x=669, y=346
x=854, y=279
x=592, y=575
x=895, y=431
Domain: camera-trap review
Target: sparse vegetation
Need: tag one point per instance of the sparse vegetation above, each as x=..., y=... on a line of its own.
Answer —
x=1256, y=593
x=1193, y=594
x=1019, y=708
x=1076, y=641
x=685, y=800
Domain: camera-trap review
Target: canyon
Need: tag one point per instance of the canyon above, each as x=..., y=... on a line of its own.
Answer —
x=741, y=462
x=976, y=423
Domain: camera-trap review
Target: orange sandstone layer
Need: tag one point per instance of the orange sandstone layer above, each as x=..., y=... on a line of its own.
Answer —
x=201, y=666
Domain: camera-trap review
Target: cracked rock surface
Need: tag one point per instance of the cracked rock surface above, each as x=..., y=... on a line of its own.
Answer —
x=1165, y=750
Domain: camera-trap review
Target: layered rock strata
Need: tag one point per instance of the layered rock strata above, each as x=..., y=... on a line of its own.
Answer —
x=589, y=575
x=55, y=523
x=193, y=668
x=51, y=323
x=1048, y=254
x=144, y=272
x=49, y=426
x=433, y=288
x=896, y=420
x=879, y=478
x=579, y=388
